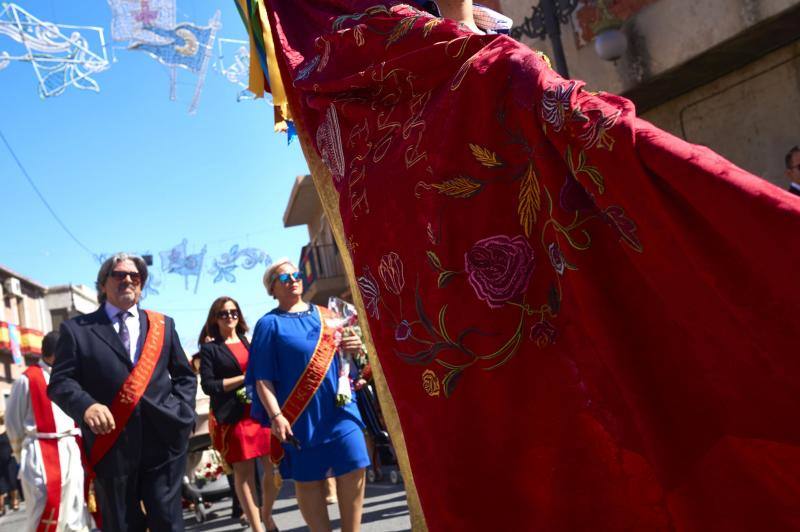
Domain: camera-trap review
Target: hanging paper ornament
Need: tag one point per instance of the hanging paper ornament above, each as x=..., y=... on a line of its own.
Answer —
x=226, y=263
x=177, y=261
x=235, y=65
x=185, y=45
x=58, y=61
x=132, y=19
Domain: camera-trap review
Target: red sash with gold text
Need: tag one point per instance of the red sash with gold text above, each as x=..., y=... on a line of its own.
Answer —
x=134, y=386
x=46, y=423
x=309, y=382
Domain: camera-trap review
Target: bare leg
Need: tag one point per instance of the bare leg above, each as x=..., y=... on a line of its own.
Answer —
x=244, y=482
x=269, y=493
x=330, y=490
x=350, y=487
x=311, y=499
x=458, y=10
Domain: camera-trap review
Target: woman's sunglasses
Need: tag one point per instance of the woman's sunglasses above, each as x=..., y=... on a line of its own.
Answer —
x=225, y=314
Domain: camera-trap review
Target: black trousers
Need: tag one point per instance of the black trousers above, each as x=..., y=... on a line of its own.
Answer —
x=158, y=488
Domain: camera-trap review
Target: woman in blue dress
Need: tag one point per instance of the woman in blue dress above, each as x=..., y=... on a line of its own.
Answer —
x=326, y=440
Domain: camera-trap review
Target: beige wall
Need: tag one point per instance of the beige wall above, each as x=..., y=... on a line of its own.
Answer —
x=661, y=36
x=751, y=116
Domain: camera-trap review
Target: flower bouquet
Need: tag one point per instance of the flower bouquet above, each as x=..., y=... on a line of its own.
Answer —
x=210, y=468
x=243, y=397
x=347, y=323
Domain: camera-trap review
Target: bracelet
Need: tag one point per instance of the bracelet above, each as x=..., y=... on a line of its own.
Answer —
x=278, y=413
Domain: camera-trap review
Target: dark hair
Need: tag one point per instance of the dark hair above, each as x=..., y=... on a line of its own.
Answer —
x=49, y=344
x=108, y=265
x=212, y=329
x=795, y=149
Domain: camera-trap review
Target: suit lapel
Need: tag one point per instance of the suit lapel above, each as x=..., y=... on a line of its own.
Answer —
x=103, y=329
x=144, y=326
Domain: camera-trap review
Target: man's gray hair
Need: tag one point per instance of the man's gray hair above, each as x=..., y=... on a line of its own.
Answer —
x=108, y=266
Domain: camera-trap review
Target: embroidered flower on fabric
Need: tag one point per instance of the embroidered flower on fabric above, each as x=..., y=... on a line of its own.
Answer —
x=403, y=331
x=543, y=333
x=329, y=144
x=555, y=103
x=597, y=134
x=370, y=293
x=615, y=216
x=499, y=268
x=573, y=197
x=556, y=258
x=391, y=272
x=430, y=383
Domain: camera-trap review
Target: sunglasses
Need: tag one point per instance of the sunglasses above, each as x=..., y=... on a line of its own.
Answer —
x=120, y=276
x=289, y=277
x=225, y=314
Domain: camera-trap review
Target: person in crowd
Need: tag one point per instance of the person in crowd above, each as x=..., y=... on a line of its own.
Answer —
x=121, y=374
x=240, y=439
x=8, y=471
x=43, y=439
x=293, y=376
x=793, y=169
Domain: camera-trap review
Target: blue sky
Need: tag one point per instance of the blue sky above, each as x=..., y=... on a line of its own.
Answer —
x=128, y=169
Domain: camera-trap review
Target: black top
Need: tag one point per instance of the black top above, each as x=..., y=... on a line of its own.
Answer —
x=218, y=362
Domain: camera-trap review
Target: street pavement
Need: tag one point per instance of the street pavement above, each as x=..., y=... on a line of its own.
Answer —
x=385, y=510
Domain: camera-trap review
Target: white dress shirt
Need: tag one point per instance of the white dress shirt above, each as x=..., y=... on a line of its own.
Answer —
x=132, y=322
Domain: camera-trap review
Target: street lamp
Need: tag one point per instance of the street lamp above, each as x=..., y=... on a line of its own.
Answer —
x=609, y=42
x=546, y=20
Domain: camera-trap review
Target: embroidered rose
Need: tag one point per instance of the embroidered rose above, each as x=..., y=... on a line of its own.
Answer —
x=391, y=272
x=430, y=383
x=403, y=331
x=556, y=258
x=543, y=333
x=499, y=268
x=370, y=293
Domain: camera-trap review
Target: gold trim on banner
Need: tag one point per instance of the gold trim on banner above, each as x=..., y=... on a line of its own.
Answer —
x=329, y=198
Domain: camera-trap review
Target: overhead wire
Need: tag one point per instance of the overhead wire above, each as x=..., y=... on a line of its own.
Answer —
x=43, y=199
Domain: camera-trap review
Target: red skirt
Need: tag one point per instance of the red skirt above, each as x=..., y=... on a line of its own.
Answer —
x=241, y=441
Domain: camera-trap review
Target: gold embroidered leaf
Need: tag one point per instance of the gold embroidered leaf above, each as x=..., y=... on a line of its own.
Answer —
x=485, y=156
x=433, y=258
x=426, y=30
x=459, y=187
x=530, y=200
x=401, y=29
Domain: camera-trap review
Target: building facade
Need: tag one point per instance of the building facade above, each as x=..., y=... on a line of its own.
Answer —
x=721, y=73
x=29, y=311
x=320, y=260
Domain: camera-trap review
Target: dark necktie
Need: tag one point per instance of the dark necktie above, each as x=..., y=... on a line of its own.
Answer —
x=124, y=334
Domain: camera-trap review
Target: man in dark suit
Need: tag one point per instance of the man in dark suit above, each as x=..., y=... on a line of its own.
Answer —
x=122, y=375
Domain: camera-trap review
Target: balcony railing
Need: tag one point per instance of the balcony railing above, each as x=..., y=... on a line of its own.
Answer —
x=320, y=261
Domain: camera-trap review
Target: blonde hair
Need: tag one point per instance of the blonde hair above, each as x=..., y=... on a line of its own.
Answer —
x=269, y=276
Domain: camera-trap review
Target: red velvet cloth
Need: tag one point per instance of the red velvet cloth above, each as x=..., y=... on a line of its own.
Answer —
x=585, y=322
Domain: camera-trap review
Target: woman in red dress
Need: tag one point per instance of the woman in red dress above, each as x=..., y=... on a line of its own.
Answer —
x=240, y=439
